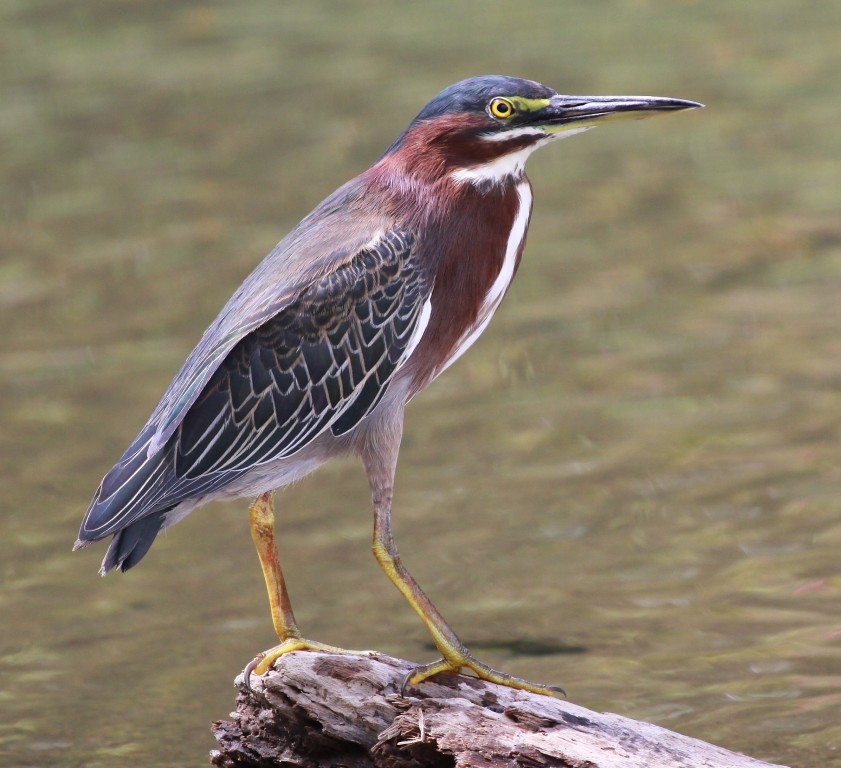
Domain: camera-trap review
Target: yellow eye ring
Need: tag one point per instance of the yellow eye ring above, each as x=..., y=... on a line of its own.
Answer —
x=501, y=108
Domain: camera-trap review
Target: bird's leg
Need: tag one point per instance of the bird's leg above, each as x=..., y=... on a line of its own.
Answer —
x=261, y=521
x=455, y=655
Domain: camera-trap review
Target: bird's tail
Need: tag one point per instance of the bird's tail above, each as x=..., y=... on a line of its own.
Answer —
x=130, y=545
x=130, y=505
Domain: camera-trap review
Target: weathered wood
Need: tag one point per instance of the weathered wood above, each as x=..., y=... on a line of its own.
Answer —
x=320, y=709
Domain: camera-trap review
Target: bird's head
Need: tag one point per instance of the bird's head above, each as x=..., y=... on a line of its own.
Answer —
x=482, y=129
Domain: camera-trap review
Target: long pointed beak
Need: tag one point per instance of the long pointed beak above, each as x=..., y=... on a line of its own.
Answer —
x=566, y=113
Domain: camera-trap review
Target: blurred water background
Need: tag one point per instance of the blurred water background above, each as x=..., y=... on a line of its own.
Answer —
x=631, y=486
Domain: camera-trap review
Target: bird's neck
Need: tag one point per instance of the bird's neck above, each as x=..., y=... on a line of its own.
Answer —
x=470, y=229
x=431, y=185
x=433, y=154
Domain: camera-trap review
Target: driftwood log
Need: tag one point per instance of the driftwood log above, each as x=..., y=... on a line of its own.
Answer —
x=320, y=709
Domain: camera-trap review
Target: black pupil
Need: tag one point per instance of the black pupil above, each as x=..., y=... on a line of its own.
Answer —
x=502, y=108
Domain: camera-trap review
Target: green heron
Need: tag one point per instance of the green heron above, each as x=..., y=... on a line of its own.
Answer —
x=373, y=295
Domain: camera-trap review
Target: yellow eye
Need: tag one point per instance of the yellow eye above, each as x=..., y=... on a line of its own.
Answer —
x=501, y=108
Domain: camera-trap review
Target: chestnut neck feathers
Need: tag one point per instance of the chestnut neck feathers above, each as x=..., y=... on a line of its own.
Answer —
x=466, y=224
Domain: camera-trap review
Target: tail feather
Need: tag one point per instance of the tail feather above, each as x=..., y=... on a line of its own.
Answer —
x=134, y=498
x=130, y=505
x=129, y=545
x=127, y=493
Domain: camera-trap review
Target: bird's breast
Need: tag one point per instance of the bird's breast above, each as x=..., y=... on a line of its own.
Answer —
x=475, y=249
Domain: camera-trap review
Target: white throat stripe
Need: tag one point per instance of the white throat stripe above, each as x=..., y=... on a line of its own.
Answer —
x=513, y=164
x=496, y=171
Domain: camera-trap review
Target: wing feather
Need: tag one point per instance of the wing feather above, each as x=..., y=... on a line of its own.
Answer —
x=321, y=362
x=324, y=361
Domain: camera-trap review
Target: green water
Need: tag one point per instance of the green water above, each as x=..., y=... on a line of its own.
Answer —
x=631, y=486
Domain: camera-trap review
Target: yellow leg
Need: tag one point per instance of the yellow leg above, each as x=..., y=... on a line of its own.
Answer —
x=261, y=521
x=455, y=656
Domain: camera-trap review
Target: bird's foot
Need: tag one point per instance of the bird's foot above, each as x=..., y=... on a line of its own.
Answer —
x=261, y=663
x=482, y=671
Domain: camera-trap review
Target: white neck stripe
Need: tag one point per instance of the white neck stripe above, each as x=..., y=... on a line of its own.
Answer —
x=513, y=164
x=496, y=171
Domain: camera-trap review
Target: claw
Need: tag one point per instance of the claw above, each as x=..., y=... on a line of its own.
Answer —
x=261, y=663
x=249, y=668
x=482, y=671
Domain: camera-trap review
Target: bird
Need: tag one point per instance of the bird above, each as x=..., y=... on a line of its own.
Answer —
x=373, y=295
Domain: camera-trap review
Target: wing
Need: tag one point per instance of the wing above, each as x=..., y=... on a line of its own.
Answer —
x=334, y=232
x=324, y=361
